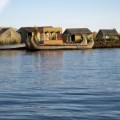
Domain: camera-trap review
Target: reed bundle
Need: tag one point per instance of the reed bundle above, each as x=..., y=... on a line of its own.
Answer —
x=9, y=37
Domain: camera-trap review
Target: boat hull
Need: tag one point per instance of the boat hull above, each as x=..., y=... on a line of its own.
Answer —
x=33, y=45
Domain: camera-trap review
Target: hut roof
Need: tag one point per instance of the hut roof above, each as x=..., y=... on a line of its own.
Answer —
x=108, y=31
x=9, y=35
x=2, y=30
x=74, y=31
x=28, y=29
x=31, y=29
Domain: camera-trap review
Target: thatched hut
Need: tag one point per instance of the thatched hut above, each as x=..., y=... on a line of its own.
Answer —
x=106, y=34
x=75, y=34
x=9, y=36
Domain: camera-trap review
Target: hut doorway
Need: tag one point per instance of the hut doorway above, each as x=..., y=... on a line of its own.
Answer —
x=29, y=34
x=73, y=38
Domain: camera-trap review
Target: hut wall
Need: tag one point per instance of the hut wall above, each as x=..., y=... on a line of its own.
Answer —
x=65, y=38
x=78, y=37
x=111, y=37
x=99, y=36
x=116, y=37
x=23, y=36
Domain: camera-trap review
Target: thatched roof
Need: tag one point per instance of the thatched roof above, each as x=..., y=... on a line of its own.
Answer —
x=77, y=31
x=31, y=29
x=3, y=30
x=9, y=36
x=27, y=29
x=108, y=31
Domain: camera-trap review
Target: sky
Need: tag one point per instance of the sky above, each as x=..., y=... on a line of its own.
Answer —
x=92, y=14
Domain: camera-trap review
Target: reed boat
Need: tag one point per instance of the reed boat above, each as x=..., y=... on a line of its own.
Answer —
x=13, y=47
x=33, y=44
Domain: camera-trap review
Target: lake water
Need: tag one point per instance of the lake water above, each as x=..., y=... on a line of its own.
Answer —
x=60, y=85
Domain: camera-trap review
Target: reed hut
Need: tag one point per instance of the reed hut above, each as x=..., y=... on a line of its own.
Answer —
x=9, y=36
x=107, y=34
x=75, y=34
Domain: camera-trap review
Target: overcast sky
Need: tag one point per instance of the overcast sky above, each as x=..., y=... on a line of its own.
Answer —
x=92, y=14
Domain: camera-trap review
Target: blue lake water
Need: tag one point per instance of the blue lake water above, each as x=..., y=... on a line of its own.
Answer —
x=60, y=85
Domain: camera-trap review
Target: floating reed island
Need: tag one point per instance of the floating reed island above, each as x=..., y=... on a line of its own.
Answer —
x=107, y=44
x=53, y=37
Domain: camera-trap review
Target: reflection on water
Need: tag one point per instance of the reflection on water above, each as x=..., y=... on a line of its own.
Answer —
x=87, y=51
x=8, y=53
x=62, y=85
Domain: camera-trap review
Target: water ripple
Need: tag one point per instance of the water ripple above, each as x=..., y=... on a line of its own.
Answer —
x=60, y=85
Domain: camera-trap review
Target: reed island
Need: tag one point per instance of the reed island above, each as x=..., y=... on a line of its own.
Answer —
x=49, y=37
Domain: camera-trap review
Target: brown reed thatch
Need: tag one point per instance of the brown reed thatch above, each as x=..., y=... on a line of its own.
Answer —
x=77, y=31
x=9, y=36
